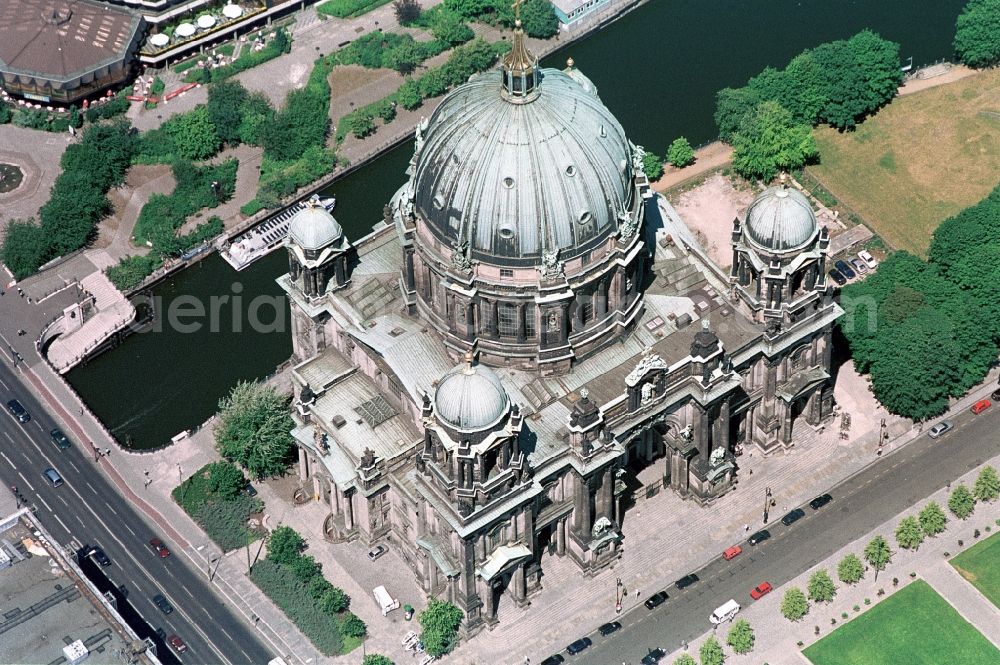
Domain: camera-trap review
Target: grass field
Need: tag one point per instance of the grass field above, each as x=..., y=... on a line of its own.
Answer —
x=914, y=626
x=981, y=566
x=919, y=160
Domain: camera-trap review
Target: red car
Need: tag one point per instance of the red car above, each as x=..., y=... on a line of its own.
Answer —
x=981, y=406
x=761, y=590
x=159, y=548
x=177, y=643
x=732, y=552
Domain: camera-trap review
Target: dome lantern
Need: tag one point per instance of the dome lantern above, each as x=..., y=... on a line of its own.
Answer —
x=519, y=69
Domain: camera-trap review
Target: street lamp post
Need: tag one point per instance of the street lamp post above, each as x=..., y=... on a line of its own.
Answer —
x=767, y=502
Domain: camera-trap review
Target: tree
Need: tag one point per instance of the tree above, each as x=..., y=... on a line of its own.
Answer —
x=408, y=95
x=794, y=605
x=877, y=554
x=909, y=534
x=225, y=479
x=987, y=486
x=977, y=33
x=257, y=113
x=961, y=502
x=24, y=247
x=376, y=659
x=539, y=19
x=449, y=27
x=850, y=570
x=740, y=637
x=439, y=623
x=768, y=142
x=652, y=165
x=334, y=600
x=407, y=11
x=284, y=545
x=711, y=652
x=194, y=134
x=732, y=105
x=821, y=588
x=282, y=42
x=226, y=104
x=353, y=626
x=254, y=429
x=680, y=153
x=684, y=659
x=932, y=519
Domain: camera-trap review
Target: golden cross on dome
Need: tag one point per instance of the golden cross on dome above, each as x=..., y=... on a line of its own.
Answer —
x=517, y=9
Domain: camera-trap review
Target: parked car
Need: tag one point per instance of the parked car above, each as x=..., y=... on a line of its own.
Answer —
x=159, y=548
x=981, y=406
x=869, y=260
x=761, y=590
x=99, y=556
x=59, y=439
x=837, y=276
x=18, y=411
x=820, y=501
x=376, y=552
x=941, y=429
x=249, y=490
x=53, y=477
x=847, y=270
x=578, y=646
x=732, y=552
x=609, y=628
x=759, y=537
x=554, y=659
x=793, y=517
x=160, y=601
x=686, y=581
x=162, y=634
x=656, y=600
x=653, y=657
x=177, y=643
x=995, y=395
x=859, y=266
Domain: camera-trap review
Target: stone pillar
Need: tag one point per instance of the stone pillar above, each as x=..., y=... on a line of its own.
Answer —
x=519, y=583
x=427, y=283
x=563, y=323
x=607, y=494
x=602, y=301
x=410, y=276
x=561, y=537
x=519, y=322
x=349, y=510
x=581, y=506
x=700, y=426
x=303, y=465
x=578, y=313
x=470, y=321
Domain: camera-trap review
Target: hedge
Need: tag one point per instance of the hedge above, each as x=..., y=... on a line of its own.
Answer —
x=279, y=45
x=129, y=273
x=223, y=519
x=348, y=8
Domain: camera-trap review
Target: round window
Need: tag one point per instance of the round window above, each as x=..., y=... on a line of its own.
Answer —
x=571, y=170
x=506, y=232
x=585, y=217
x=438, y=201
x=508, y=182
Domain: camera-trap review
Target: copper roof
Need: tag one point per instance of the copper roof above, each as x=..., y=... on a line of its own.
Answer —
x=61, y=39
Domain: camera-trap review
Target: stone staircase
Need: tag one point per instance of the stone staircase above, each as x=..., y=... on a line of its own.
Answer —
x=113, y=312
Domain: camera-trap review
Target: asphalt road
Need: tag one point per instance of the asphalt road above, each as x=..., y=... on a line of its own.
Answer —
x=88, y=508
x=860, y=504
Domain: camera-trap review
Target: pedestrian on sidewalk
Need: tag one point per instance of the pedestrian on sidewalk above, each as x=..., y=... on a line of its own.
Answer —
x=746, y=527
x=636, y=593
x=107, y=452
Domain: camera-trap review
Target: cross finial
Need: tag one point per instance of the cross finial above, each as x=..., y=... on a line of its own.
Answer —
x=517, y=9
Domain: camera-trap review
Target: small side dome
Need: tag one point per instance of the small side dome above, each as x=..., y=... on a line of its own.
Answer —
x=471, y=397
x=313, y=227
x=781, y=220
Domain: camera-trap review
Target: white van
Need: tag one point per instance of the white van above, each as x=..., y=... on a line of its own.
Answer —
x=386, y=602
x=724, y=612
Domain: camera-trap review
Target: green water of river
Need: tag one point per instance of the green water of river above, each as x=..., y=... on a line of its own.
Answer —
x=657, y=69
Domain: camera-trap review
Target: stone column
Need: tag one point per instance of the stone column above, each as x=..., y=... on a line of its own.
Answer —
x=519, y=322
x=561, y=537
x=602, y=299
x=519, y=583
x=581, y=506
x=349, y=510
x=303, y=465
x=578, y=312
x=607, y=494
x=563, y=323
x=410, y=276
x=470, y=321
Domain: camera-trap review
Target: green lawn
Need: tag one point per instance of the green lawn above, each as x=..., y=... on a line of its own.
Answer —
x=981, y=566
x=914, y=626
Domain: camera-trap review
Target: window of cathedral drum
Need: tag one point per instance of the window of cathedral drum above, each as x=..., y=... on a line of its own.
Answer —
x=506, y=273
x=507, y=324
x=799, y=358
x=587, y=304
x=395, y=389
x=496, y=537
x=529, y=320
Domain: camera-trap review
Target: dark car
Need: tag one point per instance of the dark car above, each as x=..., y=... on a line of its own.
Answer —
x=836, y=276
x=653, y=657
x=656, y=600
x=608, y=628
x=820, y=501
x=793, y=517
x=160, y=601
x=99, y=556
x=554, y=659
x=686, y=581
x=249, y=490
x=59, y=439
x=162, y=634
x=159, y=548
x=996, y=395
x=845, y=269
x=18, y=411
x=578, y=646
x=759, y=537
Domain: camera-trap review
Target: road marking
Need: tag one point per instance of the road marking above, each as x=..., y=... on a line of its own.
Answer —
x=75, y=468
x=58, y=496
x=4, y=384
x=188, y=592
x=109, y=506
x=125, y=524
x=66, y=528
x=7, y=434
x=226, y=633
x=79, y=520
x=91, y=487
x=8, y=461
x=40, y=498
x=26, y=481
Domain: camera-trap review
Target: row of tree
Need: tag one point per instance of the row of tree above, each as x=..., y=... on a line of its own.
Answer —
x=769, y=120
x=977, y=33
x=928, y=331
x=538, y=18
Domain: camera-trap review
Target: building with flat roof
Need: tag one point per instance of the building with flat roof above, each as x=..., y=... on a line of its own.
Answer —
x=51, y=612
x=62, y=51
x=482, y=379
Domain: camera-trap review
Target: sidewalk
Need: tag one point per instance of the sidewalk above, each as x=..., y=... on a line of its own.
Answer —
x=777, y=638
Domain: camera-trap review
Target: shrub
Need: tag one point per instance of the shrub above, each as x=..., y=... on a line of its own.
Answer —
x=794, y=605
x=407, y=11
x=226, y=479
x=821, y=587
x=987, y=485
x=130, y=271
x=284, y=545
x=961, y=502
x=439, y=621
x=334, y=600
x=224, y=520
x=652, y=165
x=741, y=636
x=193, y=134
x=909, y=535
x=353, y=626
x=680, y=153
x=288, y=593
x=932, y=519
x=376, y=659
x=348, y=8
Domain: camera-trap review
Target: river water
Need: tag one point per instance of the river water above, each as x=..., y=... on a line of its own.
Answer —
x=657, y=69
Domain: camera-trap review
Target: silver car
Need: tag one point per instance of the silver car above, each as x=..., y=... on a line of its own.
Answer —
x=941, y=429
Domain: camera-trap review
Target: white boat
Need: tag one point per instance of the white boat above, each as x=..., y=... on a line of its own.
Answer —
x=265, y=237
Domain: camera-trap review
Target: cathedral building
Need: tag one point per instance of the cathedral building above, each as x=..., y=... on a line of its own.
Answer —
x=479, y=380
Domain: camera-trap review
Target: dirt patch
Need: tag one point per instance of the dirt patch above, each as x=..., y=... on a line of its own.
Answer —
x=709, y=209
x=360, y=85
